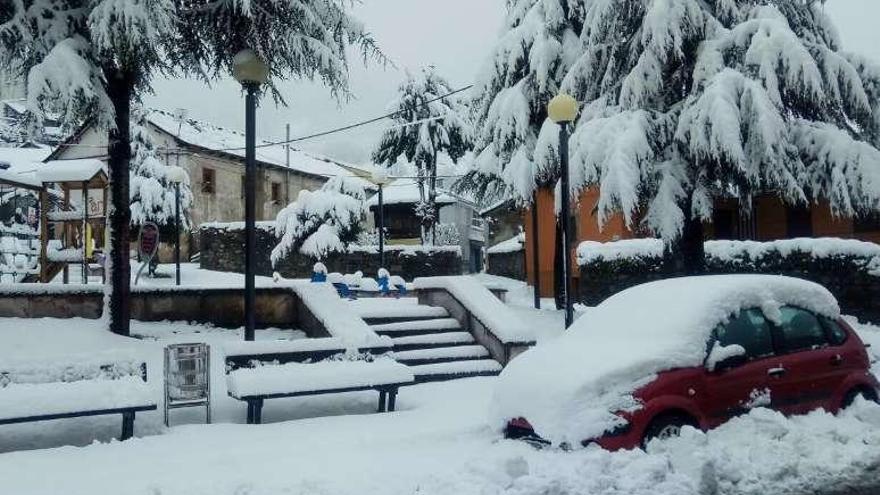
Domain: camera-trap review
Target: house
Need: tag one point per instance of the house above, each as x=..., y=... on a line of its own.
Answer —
x=13, y=115
x=403, y=227
x=768, y=219
x=213, y=157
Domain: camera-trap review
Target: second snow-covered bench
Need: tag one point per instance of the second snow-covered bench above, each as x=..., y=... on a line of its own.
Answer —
x=91, y=387
x=255, y=385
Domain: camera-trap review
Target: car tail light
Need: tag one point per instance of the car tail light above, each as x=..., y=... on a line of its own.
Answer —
x=521, y=429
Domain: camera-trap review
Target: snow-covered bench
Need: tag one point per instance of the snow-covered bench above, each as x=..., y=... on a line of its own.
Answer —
x=255, y=385
x=93, y=387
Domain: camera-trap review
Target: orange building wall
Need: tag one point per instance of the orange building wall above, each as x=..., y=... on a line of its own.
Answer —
x=772, y=220
x=825, y=224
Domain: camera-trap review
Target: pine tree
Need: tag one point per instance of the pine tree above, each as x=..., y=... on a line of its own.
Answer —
x=92, y=58
x=687, y=101
x=423, y=131
x=152, y=195
x=322, y=222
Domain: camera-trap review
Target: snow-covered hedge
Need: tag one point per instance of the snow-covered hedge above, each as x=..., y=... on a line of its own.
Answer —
x=514, y=244
x=95, y=366
x=863, y=254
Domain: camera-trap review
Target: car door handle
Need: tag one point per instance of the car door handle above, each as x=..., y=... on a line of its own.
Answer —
x=836, y=360
x=776, y=371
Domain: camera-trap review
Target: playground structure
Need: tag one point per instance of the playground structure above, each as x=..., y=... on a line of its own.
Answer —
x=72, y=217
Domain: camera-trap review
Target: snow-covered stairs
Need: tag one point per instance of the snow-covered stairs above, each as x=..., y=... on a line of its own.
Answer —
x=426, y=339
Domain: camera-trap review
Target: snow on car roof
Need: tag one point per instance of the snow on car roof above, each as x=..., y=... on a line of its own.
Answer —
x=569, y=387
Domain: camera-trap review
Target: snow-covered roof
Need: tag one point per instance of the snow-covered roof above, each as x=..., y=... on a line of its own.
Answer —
x=17, y=165
x=71, y=170
x=512, y=245
x=569, y=388
x=214, y=138
x=403, y=191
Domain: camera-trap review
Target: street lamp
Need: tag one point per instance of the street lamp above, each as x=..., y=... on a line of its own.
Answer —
x=563, y=109
x=381, y=179
x=250, y=70
x=176, y=176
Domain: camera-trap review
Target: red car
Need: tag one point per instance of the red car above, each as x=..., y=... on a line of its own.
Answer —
x=794, y=362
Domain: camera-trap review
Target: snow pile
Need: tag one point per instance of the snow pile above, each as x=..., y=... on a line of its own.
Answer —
x=870, y=335
x=570, y=387
x=512, y=245
x=266, y=225
x=325, y=375
x=483, y=305
x=404, y=249
x=591, y=251
x=337, y=317
x=107, y=365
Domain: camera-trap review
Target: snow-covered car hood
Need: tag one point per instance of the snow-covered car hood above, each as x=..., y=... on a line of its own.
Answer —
x=569, y=388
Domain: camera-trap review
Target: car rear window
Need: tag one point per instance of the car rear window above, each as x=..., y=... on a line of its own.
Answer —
x=801, y=330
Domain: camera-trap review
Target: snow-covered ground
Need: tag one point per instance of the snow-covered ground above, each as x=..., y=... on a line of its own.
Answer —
x=438, y=442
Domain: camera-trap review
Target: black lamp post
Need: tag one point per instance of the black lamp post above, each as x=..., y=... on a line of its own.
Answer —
x=563, y=110
x=250, y=70
x=380, y=178
x=176, y=176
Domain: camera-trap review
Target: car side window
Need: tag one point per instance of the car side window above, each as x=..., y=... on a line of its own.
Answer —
x=750, y=330
x=836, y=333
x=801, y=330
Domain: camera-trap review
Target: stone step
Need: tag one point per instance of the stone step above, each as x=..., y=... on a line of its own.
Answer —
x=455, y=370
x=431, y=341
x=417, y=327
x=441, y=355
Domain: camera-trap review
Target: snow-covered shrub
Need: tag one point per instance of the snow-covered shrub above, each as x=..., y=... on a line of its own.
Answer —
x=323, y=221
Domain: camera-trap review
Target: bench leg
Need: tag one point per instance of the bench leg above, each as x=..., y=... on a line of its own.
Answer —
x=382, y=395
x=258, y=412
x=250, y=412
x=127, y=425
x=392, y=399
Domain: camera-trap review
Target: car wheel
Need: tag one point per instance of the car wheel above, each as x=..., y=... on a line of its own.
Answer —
x=666, y=426
x=853, y=394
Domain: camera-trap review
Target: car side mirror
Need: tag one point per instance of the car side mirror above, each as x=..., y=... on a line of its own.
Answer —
x=725, y=357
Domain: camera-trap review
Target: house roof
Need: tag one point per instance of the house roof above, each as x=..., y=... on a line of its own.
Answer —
x=18, y=165
x=406, y=191
x=231, y=142
x=81, y=170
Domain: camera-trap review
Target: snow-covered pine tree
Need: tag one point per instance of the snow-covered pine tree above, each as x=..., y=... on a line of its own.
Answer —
x=92, y=58
x=523, y=73
x=321, y=222
x=152, y=195
x=686, y=101
x=424, y=130
x=693, y=100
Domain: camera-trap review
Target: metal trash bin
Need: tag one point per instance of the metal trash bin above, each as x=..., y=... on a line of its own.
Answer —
x=188, y=377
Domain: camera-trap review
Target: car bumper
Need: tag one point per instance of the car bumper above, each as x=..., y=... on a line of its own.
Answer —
x=624, y=438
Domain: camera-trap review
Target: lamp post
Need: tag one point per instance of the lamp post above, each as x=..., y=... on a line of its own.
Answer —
x=250, y=70
x=176, y=176
x=563, y=109
x=380, y=178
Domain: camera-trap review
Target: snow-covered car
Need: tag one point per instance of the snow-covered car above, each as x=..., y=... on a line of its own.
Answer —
x=687, y=351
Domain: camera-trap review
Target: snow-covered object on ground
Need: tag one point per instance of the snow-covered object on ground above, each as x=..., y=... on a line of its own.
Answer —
x=245, y=348
x=321, y=222
x=64, y=255
x=404, y=250
x=369, y=284
x=29, y=399
x=396, y=281
x=324, y=375
x=336, y=278
x=383, y=273
x=69, y=368
x=319, y=268
x=336, y=316
x=352, y=279
x=512, y=245
x=569, y=388
x=480, y=302
x=738, y=251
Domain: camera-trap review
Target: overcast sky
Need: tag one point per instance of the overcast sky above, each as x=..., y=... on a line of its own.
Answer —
x=454, y=35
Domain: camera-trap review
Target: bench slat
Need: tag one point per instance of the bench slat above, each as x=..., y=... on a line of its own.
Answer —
x=78, y=414
x=363, y=388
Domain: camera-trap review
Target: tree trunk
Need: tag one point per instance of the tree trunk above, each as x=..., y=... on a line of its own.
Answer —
x=120, y=84
x=686, y=256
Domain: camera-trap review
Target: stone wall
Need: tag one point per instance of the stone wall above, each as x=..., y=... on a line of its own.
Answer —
x=856, y=289
x=511, y=265
x=222, y=249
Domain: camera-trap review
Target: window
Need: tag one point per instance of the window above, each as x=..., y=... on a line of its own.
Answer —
x=801, y=330
x=750, y=330
x=836, y=334
x=276, y=192
x=208, y=181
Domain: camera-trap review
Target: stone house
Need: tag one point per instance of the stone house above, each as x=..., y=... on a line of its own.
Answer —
x=213, y=157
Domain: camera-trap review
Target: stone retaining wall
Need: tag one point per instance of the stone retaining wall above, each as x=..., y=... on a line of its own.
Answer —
x=222, y=249
x=511, y=265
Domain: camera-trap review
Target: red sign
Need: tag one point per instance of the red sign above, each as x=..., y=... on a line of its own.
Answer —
x=148, y=240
